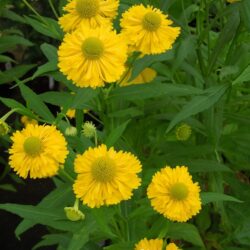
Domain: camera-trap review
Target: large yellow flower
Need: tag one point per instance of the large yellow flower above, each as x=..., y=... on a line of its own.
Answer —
x=148, y=30
x=37, y=151
x=146, y=76
x=105, y=177
x=173, y=194
x=90, y=13
x=91, y=57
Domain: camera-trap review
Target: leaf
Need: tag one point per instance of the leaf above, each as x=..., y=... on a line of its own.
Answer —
x=8, y=187
x=150, y=90
x=82, y=97
x=115, y=134
x=198, y=104
x=15, y=73
x=44, y=69
x=49, y=27
x=12, y=104
x=245, y=13
x=6, y=59
x=36, y=104
x=57, y=98
x=243, y=77
x=12, y=15
x=50, y=52
x=8, y=42
x=120, y=246
x=208, y=197
x=142, y=63
x=186, y=232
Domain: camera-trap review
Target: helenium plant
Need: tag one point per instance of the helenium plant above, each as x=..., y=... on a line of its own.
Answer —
x=143, y=127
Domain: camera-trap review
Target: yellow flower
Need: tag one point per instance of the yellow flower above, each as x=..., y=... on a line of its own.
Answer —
x=148, y=29
x=91, y=57
x=4, y=128
x=37, y=151
x=89, y=13
x=233, y=1
x=145, y=244
x=71, y=113
x=25, y=120
x=183, y=132
x=105, y=177
x=174, y=194
x=146, y=76
x=172, y=246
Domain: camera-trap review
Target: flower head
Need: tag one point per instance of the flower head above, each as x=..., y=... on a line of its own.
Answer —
x=71, y=131
x=174, y=194
x=105, y=177
x=74, y=214
x=148, y=30
x=92, y=57
x=146, y=76
x=90, y=13
x=89, y=129
x=183, y=132
x=37, y=151
x=4, y=128
x=25, y=120
x=145, y=244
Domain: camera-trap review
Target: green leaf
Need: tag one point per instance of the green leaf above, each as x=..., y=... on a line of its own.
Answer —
x=120, y=246
x=243, y=77
x=12, y=15
x=198, y=104
x=8, y=42
x=49, y=27
x=115, y=134
x=8, y=187
x=186, y=232
x=6, y=59
x=149, y=90
x=15, y=73
x=245, y=13
x=57, y=98
x=36, y=104
x=83, y=97
x=44, y=69
x=12, y=104
x=208, y=197
x=50, y=52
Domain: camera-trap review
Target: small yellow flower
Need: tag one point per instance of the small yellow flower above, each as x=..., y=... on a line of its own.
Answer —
x=174, y=194
x=145, y=244
x=25, y=120
x=92, y=57
x=37, y=151
x=148, y=30
x=146, y=76
x=233, y=1
x=183, y=132
x=172, y=246
x=89, y=13
x=4, y=128
x=105, y=177
x=71, y=113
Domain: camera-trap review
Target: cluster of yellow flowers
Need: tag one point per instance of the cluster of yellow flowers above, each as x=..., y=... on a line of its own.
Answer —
x=155, y=244
x=93, y=53
x=105, y=177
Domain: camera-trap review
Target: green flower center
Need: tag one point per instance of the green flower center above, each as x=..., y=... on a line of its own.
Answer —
x=92, y=48
x=183, y=132
x=87, y=8
x=103, y=170
x=151, y=21
x=179, y=191
x=32, y=145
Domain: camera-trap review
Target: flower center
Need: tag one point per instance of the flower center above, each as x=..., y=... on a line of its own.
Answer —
x=87, y=8
x=179, y=191
x=151, y=21
x=92, y=48
x=32, y=145
x=103, y=170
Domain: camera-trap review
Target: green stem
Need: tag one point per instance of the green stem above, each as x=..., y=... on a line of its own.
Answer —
x=53, y=9
x=35, y=12
x=65, y=174
x=8, y=114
